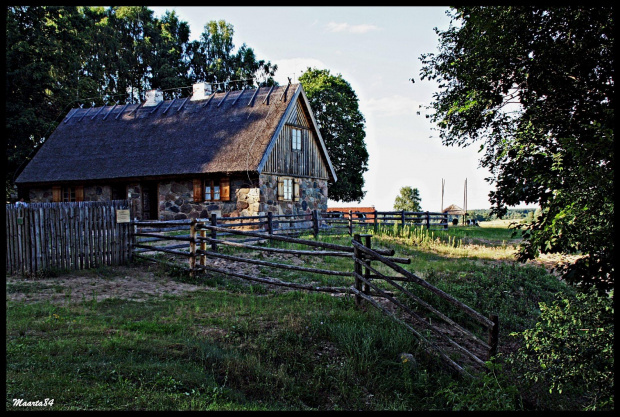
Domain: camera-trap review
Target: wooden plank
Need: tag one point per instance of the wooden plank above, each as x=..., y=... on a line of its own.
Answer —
x=427, y=343
x=112, y=109
x=275, y=264
x=121, y=112
x=468, y=310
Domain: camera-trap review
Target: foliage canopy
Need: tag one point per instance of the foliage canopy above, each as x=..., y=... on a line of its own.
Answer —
x=535, y=86
x=335, y=106
x=59, y=57
x=409, y=199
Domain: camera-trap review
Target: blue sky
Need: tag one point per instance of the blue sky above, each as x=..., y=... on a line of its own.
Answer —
x=377, y=50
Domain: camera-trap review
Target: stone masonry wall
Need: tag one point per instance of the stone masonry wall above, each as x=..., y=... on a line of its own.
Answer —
x=176, y=201
x=312, y=193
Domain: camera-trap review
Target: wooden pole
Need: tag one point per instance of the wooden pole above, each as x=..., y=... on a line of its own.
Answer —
x=315, y=223
x=350, y=223
x=358, y=269
x=213, y=232
x=192, y=248
x=375, y=221
x=366, y=287
x=270, y=223
x=203, y=246
x=402, y=218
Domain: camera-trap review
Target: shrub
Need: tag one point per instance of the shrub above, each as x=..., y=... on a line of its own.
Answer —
x=570, y=350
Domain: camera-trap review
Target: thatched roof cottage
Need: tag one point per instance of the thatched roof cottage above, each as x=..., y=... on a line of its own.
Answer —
x=233, y=153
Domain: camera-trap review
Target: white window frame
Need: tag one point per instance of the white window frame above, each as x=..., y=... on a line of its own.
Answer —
x=295, y=139
x=287, y=189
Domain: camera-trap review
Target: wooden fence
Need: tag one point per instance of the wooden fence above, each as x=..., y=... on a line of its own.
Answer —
x=348, y=221
x=206, y=236
x=46, y=236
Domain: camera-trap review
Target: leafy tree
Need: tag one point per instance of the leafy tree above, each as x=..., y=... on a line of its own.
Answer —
x=43, y=48
x=211, y=59
x=535, y=86
x=408, y=199
x=60, y=57
x=335, y=106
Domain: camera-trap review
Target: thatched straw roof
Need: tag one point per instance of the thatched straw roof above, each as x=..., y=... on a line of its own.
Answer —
x=453, y=209
x=228, y=133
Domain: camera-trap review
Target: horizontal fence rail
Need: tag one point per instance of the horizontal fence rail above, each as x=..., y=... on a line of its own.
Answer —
x=65, y=236
x=199, y=241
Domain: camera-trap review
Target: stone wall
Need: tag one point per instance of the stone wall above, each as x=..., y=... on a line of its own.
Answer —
x=176, y=201
x=91, y=193
x=176, y=198
x=312, y=196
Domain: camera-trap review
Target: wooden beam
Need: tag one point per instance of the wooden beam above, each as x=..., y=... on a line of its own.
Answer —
x=168, y=108
x=72, y=114
x=122, y=110
x=135, y=110
x=156, y=107
x=253, y=96
x=209, y=99
x=266, y=99
x=239, y=96
x=111, y=110
x=183, y=104
x=224, y=98
x=84, y=115
x=96, y=114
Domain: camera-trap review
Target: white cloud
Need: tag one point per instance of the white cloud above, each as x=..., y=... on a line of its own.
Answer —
x=345, y=27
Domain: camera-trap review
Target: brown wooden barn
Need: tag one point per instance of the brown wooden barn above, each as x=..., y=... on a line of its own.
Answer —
x=233, y=153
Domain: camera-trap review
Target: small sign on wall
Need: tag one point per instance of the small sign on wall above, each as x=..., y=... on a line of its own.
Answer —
x=122, y=216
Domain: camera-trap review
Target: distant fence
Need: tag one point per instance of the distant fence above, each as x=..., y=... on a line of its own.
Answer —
x=43, y=236
x=348, y=221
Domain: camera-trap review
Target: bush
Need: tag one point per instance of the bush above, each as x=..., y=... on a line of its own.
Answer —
x=570, y=351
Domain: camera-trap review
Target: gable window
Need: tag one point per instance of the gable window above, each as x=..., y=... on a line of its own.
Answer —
x=296, y=139
x=212, y=190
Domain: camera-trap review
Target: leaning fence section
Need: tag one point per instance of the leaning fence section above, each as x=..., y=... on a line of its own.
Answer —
x=434, y=328
x=67, y=236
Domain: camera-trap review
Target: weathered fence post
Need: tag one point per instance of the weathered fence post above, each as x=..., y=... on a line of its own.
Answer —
x=366, y=287
x=213, y=232
x=402, y=218
x=350, y=223
x=270, y=222
x=315, y=223
x=493, y=335
x=428, y=220
x=357, y=268
x=192, y=248
x=375, y=221
x=203, y=246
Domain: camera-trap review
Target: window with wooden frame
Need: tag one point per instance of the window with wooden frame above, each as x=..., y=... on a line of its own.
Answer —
x=295, y=139
x=288, y=189
x=67, y=194
x=212, y=189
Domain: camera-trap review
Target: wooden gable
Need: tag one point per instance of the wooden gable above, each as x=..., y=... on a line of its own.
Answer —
x=308, y=161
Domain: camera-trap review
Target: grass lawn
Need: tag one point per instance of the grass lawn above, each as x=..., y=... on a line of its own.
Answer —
x=145, y=337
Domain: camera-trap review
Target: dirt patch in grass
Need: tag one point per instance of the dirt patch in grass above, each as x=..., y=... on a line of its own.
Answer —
x=129, y=283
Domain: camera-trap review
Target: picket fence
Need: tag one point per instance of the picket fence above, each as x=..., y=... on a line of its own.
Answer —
x=65, y=236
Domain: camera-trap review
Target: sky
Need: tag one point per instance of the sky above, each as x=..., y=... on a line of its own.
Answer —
x=377, y=50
